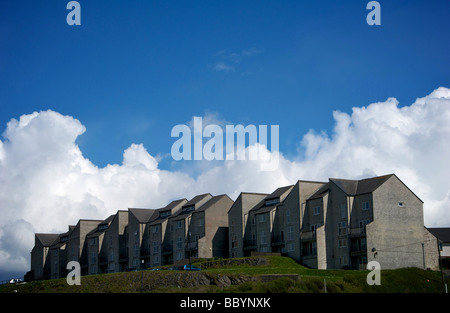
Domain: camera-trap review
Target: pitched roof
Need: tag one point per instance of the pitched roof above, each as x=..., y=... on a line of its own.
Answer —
x=279, y=192
x=197, y=199
x=443, y=233
x=358, y=187
x=211, y=202
x=96, y=232
x=142, y=215
x=157, y=219
x=47, y=239
x=108, y=220
x=173, y=204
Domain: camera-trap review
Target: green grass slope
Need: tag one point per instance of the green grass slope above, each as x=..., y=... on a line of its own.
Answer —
x=243, y=276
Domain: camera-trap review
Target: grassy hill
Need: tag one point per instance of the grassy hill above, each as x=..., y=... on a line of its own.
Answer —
x=246, y=275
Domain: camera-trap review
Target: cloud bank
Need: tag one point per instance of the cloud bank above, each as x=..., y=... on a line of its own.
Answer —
x=47, y=183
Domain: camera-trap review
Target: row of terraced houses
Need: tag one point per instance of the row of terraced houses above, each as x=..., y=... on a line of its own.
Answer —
x=339, y=224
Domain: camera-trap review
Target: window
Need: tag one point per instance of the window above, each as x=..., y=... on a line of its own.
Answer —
x=201, y=222
x=290, y=233
x=362, y=225
x=342, y=226
x=342, y=243
x=179, y=242
x=316, y=210
x=179, y=224
x=290, y=247
x=262, y=218
x=272, y=201
x=313, y=248
x=93, y=257
x=188, y=208
x=343, y=209
x=314, y=227
x=165, y=214
x=288, y=216
x=155, y=246
x=366, y=205
x=155, y=229
x=343, y=260
x=263, y=237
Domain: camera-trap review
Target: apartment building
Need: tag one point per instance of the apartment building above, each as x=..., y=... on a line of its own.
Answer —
x=117, y=242
x=76, y=246
x=40, y=259
x=265, y=220
x=98, y=247
x=338, y=224
x=58, y=254
x=241, y=233
x=159, y=243
x=344, y=224
x=137, y=224
x=207, y=235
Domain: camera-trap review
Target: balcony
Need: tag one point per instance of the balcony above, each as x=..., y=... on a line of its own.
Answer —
x=278, y=240
x=307, y=235
x=357, y=232
x=249, y=244
x=190, y=246
x=167, y=249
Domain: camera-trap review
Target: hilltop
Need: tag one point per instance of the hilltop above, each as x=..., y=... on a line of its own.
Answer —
x=243, y=275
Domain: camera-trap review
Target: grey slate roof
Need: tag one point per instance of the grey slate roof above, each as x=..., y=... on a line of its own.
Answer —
x=281, y=193
x=194, y=201
x=358, y=187
x=142, y=215
x=211, y=202
x=47, y=239
x=156, y=219
x=197, y=199
x=95, y=232
x=443, y=233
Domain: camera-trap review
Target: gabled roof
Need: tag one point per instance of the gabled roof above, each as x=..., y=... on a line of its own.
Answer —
x=96, y=232
x=142, y=215
x=358, y=187
x=211, y=202
x=197, y=199
x=443, y=233
x=173, y=204
x=47, y=239
x=279, y=192
x=108, y=220
x=156, y=219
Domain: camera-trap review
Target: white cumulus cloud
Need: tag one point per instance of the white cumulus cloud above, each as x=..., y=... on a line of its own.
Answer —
x=47, y=183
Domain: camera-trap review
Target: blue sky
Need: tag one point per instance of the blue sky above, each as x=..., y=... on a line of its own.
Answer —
x=134, y=69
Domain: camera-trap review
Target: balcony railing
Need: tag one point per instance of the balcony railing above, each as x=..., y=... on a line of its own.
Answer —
x=307, y=235
x=359, y=231
x=249, y=244
x=192, y=246
x=277, y=240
